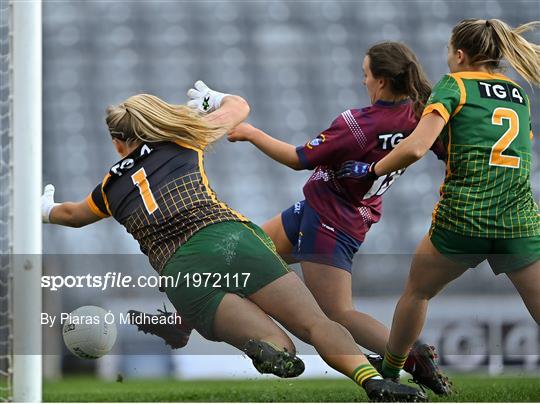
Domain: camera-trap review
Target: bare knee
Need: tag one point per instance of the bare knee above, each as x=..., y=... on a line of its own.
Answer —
x=340, y=315
x=321, y=325
x=418, y=292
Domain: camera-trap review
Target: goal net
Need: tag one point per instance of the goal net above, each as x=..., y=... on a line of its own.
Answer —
x=5, y=202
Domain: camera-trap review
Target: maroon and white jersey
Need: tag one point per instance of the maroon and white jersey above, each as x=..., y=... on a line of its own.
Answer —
x=367, y=135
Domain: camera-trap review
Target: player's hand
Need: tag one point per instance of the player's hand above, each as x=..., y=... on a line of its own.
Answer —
x=357, y=170
x=242, y=132
x=47, y=203
x=203, y=98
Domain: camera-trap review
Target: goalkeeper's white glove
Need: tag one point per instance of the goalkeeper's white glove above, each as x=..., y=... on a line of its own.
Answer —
x=203, y=98
x=47, y=203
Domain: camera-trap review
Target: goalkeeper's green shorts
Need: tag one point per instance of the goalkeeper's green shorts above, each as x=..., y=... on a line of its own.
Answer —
x=503, y=254
x=227, y=257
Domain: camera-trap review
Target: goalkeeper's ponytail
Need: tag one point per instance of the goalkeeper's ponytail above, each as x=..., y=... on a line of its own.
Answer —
x=147, y=118
x=397, y=63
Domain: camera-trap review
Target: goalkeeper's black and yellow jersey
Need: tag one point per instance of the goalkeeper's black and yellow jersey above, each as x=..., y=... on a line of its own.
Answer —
x=160, y=194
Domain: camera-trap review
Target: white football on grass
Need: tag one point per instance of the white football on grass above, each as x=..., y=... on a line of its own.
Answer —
x=89, y=333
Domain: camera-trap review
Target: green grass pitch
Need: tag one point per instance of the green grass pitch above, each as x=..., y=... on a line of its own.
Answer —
x=470, y=389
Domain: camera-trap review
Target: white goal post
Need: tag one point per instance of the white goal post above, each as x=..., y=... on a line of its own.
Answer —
x=27, y=185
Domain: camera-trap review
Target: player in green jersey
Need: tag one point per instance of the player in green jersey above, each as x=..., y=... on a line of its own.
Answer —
x=486, y=208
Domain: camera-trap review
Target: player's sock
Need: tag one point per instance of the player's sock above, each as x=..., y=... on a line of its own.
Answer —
x=392, y=364
x=363, y=373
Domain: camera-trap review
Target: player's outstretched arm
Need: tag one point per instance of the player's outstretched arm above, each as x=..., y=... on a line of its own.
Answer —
x=282, y=152
x=72, y=214
x=232, y=111
x=413, y=147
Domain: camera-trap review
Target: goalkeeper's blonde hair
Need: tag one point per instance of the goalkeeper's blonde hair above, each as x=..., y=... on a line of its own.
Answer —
x=147, y=118
x=486, y=42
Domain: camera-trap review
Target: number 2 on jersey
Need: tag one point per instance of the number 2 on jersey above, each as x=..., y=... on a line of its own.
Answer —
x=139, y=179
x=497, y=157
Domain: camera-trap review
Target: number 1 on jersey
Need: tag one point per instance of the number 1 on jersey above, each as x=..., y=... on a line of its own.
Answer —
x=139, y=179
x=497, y=157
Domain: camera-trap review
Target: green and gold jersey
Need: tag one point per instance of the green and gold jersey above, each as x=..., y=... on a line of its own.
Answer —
x=160, y=193
x=487, y=190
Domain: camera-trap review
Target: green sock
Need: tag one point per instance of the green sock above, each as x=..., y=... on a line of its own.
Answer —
x=364, y=372
x=392, y=364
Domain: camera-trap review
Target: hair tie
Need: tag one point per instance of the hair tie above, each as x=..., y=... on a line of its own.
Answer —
x=121, y=134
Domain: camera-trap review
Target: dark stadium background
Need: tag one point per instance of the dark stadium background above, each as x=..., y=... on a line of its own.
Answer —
x=299, y=66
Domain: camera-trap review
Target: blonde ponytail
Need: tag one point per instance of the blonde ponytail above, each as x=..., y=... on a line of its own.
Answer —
x=147, y=118
x=522, y=55
x=486, y=42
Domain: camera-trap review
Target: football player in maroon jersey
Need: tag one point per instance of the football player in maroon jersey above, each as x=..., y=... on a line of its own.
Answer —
x=326, y=229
